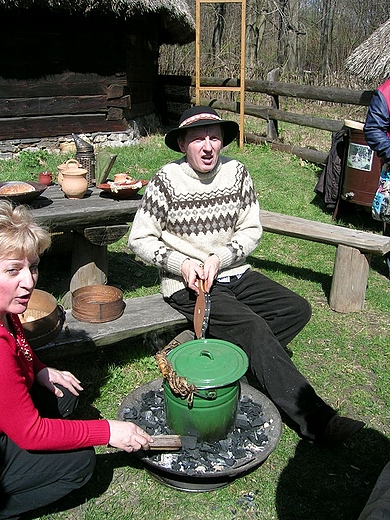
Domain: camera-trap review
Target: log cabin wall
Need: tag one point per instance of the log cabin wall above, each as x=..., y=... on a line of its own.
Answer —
x=62, y=73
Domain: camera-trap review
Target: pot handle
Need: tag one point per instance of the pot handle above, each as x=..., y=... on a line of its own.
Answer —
x=73, y=161
x=207, y=353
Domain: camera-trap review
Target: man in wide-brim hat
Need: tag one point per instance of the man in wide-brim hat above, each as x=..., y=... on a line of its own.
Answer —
x=201, y=116
x=199, y=219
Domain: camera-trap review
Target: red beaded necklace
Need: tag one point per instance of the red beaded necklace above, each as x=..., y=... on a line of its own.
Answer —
x=19, y=338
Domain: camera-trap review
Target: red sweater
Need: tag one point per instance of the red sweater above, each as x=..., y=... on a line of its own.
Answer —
x=19, y=419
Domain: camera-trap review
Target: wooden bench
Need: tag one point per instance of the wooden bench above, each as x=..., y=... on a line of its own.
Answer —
x=141, y=315
x=147, y=314
x=352, y=259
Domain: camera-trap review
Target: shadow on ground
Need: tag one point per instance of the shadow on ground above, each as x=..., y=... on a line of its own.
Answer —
x=321, y=484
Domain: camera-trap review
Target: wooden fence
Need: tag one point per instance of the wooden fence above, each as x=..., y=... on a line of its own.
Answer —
x=177, y=91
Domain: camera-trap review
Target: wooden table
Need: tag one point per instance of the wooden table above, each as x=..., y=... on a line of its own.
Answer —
x=96, y=220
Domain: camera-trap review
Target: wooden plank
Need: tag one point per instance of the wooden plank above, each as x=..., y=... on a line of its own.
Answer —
x=115, y=91
x=58, y=213
x=114, y=114
x=349, y=280
x=124, y=102
x=14, y=107
x=331, y=94
x=51, y=126
x=141, y=315
x=325, y=233
x=307, y=154
x=66, y=84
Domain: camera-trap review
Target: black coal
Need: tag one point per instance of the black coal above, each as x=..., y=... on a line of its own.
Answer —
x=247, y=439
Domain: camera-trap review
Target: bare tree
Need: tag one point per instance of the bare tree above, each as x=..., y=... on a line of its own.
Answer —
x=219, y=26
x=288, y=37
x=327, y=20
x=255, y=27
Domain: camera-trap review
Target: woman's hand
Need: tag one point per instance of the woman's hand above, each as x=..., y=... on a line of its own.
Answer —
x=128, y=437
x=47, y=377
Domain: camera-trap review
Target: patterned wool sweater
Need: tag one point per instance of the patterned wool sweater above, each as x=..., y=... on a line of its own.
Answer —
x=185, y=214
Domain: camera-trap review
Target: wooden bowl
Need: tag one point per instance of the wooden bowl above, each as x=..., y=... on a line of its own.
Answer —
x=97, y=303
x=125, y=190
x=42, y=320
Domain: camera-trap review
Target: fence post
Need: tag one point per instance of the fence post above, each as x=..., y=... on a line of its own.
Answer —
x=272, y=124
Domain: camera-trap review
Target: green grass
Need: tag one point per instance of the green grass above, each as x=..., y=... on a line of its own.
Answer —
x=345, y=356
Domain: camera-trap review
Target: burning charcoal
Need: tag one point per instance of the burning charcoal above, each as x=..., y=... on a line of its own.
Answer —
x=237, y=449
x=259, y=421
x=225, y=444
x=130, y=413
x=239, y=453
x=242, y=421
x=230, y=462
x=188, y=442
x=195, y=454
x=209, y=448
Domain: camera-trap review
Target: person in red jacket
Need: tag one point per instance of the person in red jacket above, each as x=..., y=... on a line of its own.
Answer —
x=43, y=455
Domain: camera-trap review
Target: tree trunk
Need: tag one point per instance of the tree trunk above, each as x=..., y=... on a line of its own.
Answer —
x=328, y=9
x=255, y=26
x=219, y=26
x=288, y=45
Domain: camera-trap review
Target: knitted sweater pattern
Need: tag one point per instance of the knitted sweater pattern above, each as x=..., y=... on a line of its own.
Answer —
x=189, y=215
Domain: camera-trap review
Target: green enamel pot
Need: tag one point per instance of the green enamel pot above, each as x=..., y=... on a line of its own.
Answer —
x=214, y=367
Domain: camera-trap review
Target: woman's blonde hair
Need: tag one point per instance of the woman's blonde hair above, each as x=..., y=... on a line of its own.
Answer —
x=19, y=233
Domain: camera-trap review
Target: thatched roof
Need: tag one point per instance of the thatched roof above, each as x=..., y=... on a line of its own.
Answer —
x=371, y=59
x=177, y=24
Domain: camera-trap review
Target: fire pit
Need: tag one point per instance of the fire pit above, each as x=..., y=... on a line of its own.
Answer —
x=208, y=465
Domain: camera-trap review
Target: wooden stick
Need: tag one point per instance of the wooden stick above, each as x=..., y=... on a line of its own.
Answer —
x=166, y=442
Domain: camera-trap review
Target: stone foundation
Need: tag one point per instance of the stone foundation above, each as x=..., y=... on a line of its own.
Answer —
x=9, y=149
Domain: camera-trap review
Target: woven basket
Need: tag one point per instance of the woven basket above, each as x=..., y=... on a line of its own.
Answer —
x=97, y=303
x=47, y=319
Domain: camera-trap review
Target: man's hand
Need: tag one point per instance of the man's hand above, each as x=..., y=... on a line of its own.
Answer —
x=192, y=271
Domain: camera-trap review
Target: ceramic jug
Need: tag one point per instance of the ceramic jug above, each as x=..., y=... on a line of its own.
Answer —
x=71, y=163
x=74, y=185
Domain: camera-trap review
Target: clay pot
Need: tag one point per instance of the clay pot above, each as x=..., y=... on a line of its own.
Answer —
x=74, y=184
x=70, y=164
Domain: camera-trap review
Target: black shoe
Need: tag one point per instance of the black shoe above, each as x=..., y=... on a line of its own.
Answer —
x=338, y=430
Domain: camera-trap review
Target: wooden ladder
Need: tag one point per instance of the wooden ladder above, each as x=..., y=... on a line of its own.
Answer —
x=241, y=80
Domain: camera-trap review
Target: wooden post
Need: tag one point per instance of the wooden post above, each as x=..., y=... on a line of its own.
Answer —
x=89, y=265
x=272, y=124
x=240, y=84
x=349, y=283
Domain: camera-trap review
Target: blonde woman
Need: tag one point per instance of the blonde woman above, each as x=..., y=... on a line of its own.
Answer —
x=43, y=455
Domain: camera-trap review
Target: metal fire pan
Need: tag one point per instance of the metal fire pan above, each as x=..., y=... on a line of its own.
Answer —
x=208, y=481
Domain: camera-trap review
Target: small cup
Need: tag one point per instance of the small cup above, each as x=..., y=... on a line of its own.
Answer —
x=45, y=178
x=120, y=177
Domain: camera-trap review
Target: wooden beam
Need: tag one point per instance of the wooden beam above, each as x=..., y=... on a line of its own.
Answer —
x=69, y=83
x=331, y=94
x=19, y=128
x=14, y=107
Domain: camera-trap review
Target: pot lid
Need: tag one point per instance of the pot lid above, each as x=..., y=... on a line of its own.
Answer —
x=209, y=363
